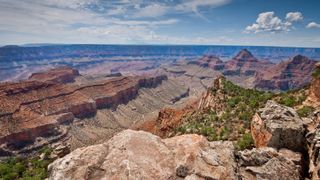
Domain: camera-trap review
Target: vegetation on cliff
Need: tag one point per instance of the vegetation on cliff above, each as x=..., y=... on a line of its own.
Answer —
x=34, y=168
x=240, y=104
x=233, y=122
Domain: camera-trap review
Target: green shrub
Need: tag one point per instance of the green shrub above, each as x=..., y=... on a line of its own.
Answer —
x=25, y=168
x=224, y=133
x=287, y=100
x=316, y=73
x=245, y=142
x=305, y=111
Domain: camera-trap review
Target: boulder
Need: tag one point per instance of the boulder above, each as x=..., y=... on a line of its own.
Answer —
x=268, y=163
x=59, y=150
x=313, y=139
x=279, y=127
x=141, y=155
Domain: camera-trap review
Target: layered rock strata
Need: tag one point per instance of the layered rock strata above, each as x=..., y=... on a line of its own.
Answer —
x=33, y=109
x=58, y=75
x=291, y=74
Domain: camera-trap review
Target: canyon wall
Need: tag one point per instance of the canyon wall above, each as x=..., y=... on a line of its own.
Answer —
x=33, y=109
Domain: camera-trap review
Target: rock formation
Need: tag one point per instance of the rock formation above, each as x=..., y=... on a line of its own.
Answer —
x=268, y=163
x=30, y=110
x=57, y=75
x=141, y=155
x=244, y=63
x=276, y=125
x=209, y=61
x=291, y=74
x=314, y=93
x=213, y=99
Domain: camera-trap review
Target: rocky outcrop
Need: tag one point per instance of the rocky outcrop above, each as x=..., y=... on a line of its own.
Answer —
x=275, y=125
x=313, y=144
x=268, y=163
x=314, y=93
x=141, y=155
x=56, y=75
x=32, y=109
x=291, y=74
x=214, y=97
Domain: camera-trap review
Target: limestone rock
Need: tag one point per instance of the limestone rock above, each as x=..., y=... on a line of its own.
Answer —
x=141, y=155
x=59, y=150
x=279, y=127
x=313, y=138
x=267, y=163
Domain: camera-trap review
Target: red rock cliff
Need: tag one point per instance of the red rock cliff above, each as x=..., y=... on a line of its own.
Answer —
x=31, y=109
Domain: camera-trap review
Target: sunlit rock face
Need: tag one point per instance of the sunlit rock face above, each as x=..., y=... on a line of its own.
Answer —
x=141, y=155
x=291, y=74
x=37, y=108
x=275, y=125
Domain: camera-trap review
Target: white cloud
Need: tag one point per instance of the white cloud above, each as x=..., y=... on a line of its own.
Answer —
x=154, y=10
x=193, y=5
x=294, y=16
x=157, y=8
x=71, y=4
x=268, y=22
x=313, y=25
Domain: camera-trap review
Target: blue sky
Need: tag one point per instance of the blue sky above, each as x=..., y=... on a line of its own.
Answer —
x=217, y=22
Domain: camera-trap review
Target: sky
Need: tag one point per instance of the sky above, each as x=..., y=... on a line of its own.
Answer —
x=204, y=22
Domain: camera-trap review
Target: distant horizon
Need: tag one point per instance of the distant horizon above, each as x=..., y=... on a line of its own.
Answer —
x=235, y=45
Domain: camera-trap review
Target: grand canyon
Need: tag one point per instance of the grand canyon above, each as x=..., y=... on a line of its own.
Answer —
x=168, y=90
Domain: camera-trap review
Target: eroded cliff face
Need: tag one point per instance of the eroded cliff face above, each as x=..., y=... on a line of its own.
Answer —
x=57, y=75
x=291, y=74
x=314, y=92
x=33, y=110
x=244, y=64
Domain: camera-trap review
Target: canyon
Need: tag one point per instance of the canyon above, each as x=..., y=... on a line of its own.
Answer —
x=245, y=70
x=209, y=119
x=137, y=154
x=62, y=105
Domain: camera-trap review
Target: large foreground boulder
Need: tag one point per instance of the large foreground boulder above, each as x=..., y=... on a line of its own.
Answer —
x=141, y=155
x=279, y=127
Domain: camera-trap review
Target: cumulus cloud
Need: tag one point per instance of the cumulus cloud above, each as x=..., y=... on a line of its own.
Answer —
x=294, y=16
x=268, y=22
x=313, y=25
